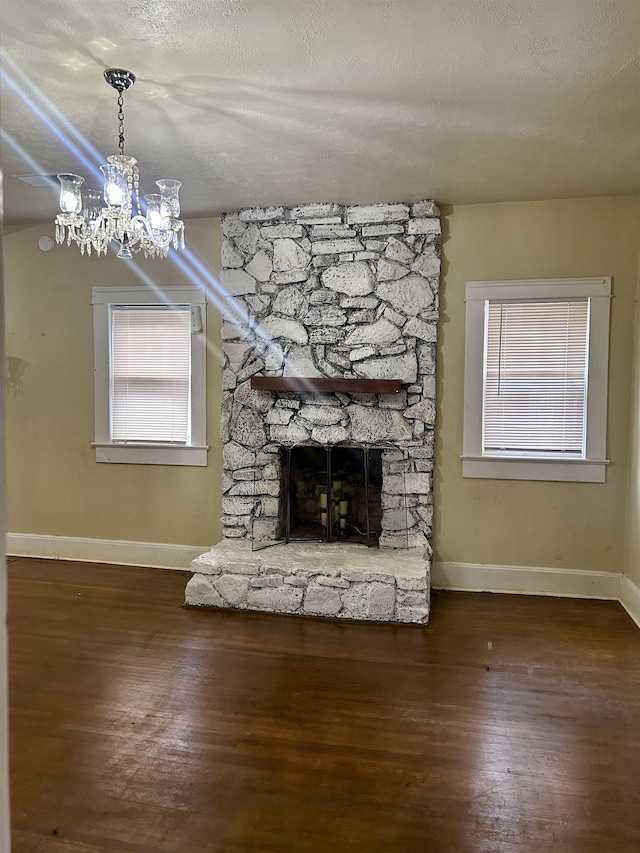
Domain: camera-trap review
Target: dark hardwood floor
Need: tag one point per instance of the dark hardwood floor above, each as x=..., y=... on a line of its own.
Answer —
x=510, y=724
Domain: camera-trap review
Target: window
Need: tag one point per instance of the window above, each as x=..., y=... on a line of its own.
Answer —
x=536, y=366
x=150, y=375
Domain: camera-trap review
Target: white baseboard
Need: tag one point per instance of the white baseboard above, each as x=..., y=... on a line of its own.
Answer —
x=526, y=580
x=153, y=554
x=630, y=598
x=468, y=577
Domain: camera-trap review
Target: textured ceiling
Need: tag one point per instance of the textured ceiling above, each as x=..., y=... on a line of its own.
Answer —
x=259, y=102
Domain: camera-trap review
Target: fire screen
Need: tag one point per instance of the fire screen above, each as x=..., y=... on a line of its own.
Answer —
x=333, y=494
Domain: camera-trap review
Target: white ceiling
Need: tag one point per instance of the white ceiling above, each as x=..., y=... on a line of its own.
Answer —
x=260, y=102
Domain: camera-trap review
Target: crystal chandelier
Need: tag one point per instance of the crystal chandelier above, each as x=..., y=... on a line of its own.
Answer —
x=92, y=218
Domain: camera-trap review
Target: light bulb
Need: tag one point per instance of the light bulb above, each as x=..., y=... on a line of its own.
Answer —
x=70, y=198
x=169, y=190
x=114, y=194
x=69, y=202
x=115, y=190
x=156, y=219
x=155, y=214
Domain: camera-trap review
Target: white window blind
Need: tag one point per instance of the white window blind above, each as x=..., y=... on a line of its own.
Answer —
x=150, y=373
x=535, y=377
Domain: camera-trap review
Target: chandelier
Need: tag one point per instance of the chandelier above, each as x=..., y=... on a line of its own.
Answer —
x=92, y=218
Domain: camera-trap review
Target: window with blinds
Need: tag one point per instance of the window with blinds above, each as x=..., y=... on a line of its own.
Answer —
x=535, y=377
x=536, y=372
x=150, y=349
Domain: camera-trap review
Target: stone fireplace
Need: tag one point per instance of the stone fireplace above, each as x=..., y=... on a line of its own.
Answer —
x=329, y=339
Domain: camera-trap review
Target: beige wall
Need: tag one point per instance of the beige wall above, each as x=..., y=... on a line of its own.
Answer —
x=632, y=538
x=564, y=525
x=54, y=485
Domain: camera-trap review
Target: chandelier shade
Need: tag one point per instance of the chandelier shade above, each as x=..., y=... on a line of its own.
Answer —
x=92, y=219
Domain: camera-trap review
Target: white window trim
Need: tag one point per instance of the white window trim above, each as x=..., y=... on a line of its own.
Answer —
x=592, y=468
x=150, y=453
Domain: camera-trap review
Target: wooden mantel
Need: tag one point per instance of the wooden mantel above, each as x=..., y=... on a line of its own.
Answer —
x=315, y=385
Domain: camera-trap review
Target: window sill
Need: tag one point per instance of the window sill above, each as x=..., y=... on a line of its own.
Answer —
x=530, y=468
x=152, y=454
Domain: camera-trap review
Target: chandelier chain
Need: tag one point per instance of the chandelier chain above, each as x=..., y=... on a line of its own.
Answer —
x=136, y=188
x=121, y=123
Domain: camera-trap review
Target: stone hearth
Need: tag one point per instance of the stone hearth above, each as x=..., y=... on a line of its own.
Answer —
x=338, y=580
x=326, y=291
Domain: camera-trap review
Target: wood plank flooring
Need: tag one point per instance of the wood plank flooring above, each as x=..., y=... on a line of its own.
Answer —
x=510, y=725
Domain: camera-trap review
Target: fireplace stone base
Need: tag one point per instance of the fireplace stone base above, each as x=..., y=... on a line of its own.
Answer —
x=315, y=579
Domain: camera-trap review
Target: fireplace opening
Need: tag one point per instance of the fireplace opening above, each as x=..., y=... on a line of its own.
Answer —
x=333, y=494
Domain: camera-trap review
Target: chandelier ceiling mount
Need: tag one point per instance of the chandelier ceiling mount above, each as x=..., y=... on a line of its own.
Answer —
x=94, y=218
x=120, y=78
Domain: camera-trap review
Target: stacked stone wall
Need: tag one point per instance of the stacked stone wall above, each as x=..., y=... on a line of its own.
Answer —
x=325, y=290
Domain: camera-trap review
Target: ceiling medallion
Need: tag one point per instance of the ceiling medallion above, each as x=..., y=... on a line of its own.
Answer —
x=94, y=218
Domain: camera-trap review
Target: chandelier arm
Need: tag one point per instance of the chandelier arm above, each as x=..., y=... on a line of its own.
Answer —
x=144, y=222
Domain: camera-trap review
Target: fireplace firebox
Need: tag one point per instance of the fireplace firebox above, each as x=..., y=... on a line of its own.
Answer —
x=332, y=494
